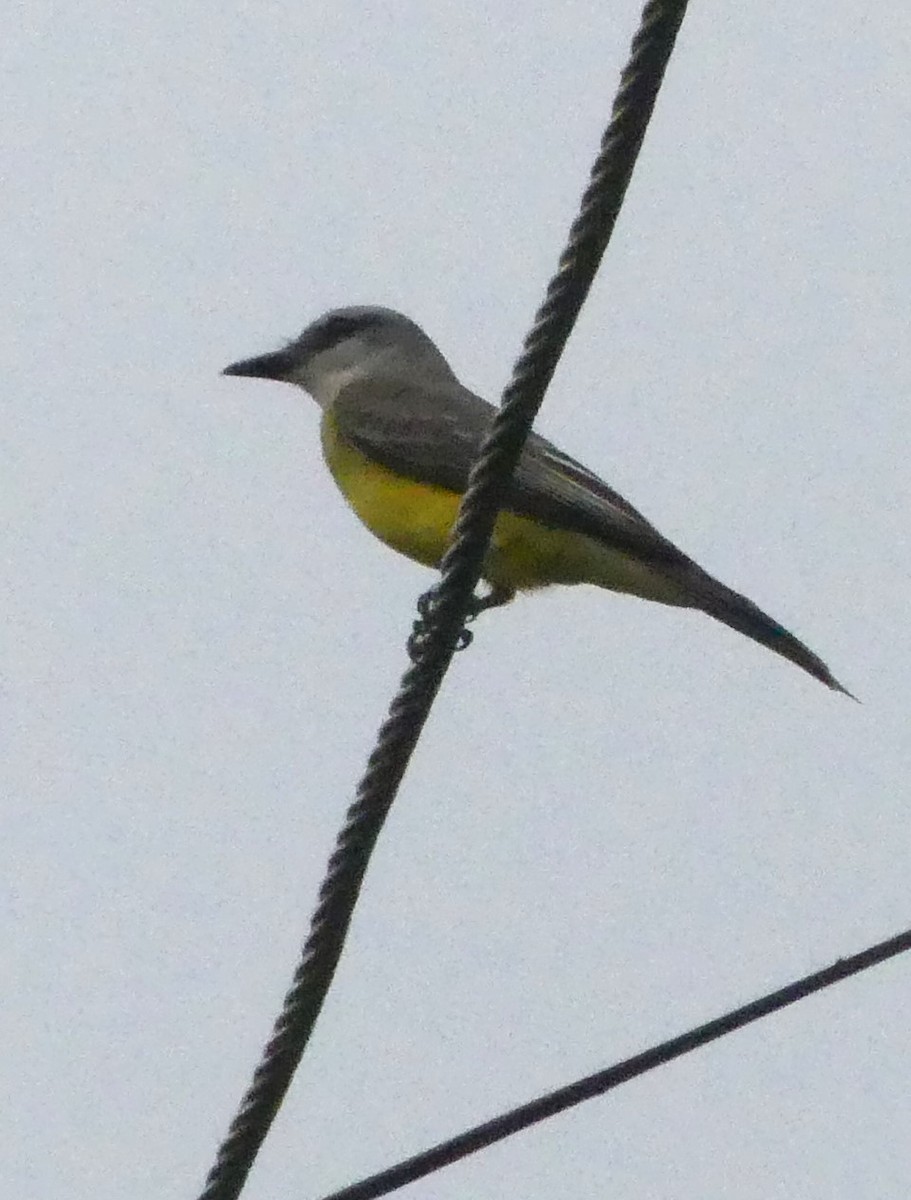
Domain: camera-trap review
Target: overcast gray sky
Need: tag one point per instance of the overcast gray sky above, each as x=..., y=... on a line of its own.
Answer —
x=622, y=818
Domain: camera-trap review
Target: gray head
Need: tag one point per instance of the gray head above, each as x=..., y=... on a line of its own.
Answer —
x=347, y=343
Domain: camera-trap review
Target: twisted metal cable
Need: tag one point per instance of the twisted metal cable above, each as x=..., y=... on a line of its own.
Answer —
x=461, y=569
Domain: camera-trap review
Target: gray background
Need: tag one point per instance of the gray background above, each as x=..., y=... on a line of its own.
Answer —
x=622, y=819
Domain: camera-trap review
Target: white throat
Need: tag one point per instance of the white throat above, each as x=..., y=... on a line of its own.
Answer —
x=325, y=385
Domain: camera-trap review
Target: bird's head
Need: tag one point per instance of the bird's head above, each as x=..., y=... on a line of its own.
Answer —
x=346, y=343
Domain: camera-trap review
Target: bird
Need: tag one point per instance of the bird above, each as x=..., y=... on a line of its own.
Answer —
x=399, y=435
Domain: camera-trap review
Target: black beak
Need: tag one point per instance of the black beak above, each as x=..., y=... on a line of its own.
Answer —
x=277, y=365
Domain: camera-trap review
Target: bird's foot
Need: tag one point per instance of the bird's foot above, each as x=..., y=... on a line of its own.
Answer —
x=419, y=628
x=494, y=598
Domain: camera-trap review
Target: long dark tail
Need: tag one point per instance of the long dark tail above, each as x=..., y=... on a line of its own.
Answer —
x=742, y=614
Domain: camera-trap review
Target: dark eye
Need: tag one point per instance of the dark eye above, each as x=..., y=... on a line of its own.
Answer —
x=330, y=330
x=339, y=326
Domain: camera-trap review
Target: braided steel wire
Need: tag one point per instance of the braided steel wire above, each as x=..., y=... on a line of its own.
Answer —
x=461, y=569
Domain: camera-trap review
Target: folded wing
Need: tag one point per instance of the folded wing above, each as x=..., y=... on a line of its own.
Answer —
x=436, y=441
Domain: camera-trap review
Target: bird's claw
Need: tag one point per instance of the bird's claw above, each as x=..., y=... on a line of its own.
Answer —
x=419, y=628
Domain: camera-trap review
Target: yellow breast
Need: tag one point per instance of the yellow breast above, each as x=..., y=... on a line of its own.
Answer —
x=413, y=518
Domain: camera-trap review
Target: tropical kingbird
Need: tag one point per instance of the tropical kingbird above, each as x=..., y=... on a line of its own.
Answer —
x=400, y=433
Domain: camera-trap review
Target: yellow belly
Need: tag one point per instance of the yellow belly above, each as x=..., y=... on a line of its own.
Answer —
x=416, y=519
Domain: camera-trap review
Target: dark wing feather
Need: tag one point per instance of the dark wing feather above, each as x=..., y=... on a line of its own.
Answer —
x=393, y=423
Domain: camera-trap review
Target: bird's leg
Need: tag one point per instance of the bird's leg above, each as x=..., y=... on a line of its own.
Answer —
x=494, y=598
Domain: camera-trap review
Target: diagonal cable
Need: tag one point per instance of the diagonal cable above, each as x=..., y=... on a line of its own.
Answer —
x=461, y=569
x=526, y=1115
